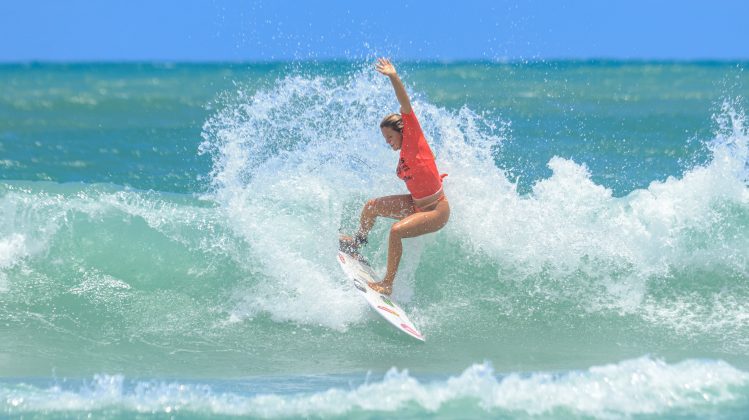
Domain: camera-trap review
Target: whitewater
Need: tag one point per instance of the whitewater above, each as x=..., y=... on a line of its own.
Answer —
x=195, y=273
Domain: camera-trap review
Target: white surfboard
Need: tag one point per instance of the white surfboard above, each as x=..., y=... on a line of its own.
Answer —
x=360, y=273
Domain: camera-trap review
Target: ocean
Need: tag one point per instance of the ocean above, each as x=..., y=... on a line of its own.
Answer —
x=168, y=235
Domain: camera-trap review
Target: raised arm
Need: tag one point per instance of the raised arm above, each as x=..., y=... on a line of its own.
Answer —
x=384, y=66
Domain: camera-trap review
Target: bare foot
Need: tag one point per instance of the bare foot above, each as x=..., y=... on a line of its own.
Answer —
x=381, y=287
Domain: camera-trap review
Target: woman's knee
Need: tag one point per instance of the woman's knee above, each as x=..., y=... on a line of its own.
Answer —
x=370, y=207
x=397, y=231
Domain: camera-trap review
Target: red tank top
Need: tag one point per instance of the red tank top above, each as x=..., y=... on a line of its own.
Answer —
x=416, y=164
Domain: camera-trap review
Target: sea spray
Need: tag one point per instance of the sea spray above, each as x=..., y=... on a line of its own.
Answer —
x=569, y=239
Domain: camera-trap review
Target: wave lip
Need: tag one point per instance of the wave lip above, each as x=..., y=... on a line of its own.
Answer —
x=632, y=387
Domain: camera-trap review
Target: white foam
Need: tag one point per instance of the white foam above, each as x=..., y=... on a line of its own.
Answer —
x=25, y=231
x=568, y=221
x=101, y=288
x=721, y=318
x=287, y=162
x=582, y=244
x=12, y=250
x=295, y=162
x=632, y=387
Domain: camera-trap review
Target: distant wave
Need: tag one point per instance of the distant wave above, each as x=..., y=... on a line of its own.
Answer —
x=633, y=387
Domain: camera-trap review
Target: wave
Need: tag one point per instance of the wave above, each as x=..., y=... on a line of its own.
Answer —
x=248, y=264
x=294, y=163
x=643, y=386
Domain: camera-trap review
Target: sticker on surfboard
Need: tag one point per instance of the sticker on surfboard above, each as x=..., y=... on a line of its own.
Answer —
x=360, y=274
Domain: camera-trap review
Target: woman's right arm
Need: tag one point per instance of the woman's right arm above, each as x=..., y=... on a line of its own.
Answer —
x=384, y=66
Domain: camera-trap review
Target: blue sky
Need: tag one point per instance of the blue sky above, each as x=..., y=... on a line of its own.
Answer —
x=222, y=30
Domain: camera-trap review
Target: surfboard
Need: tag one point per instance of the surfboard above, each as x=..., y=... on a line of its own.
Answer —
x=359, y=272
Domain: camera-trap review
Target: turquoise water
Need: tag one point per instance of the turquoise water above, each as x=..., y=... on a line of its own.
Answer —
x=167, y=239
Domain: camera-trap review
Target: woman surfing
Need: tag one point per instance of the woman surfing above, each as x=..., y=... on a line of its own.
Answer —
x=425, y=209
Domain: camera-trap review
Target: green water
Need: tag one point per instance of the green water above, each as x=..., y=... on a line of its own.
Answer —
x=178, y=223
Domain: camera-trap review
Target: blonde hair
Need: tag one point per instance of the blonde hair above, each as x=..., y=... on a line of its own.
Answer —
x=394, y=121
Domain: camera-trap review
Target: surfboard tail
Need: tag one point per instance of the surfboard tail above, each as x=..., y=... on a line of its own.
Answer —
x=360, y=273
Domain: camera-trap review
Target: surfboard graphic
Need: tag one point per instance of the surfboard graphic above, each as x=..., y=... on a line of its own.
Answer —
x=360, y=273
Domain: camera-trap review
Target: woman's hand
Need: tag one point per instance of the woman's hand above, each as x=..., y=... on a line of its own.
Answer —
x=384, y=66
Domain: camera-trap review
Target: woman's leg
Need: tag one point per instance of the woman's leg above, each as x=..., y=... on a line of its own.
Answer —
x=392, y=206
x=416, y=224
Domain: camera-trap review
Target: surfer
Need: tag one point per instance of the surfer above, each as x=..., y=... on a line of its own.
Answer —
x=425, y=209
